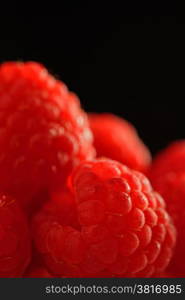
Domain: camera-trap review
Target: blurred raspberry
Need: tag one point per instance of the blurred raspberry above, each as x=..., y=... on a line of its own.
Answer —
x=122, y=229
x=117, y=139
x=15, y=246
x=168, y=177
x=44, y=132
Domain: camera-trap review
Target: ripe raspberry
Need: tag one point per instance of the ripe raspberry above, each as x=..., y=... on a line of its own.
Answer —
x=123, y=229
x=15, y=247
x=117, y=139
x=43, y=131
x=168, y=177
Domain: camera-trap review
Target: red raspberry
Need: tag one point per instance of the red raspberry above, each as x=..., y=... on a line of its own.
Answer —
x=123, y=231
x=15, y=244
x=168, y=177
x=117, y=139
x=44, y=132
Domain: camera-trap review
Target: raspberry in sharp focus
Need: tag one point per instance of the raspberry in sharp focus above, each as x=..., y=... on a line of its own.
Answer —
x=15, y=246
x=123, y=231
x=117, y=139
x=44, y=132
x=167, y=174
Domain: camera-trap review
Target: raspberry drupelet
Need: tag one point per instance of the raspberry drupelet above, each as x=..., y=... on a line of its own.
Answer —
x=122, y=228
x=44, y=132
x=15, y=241
x=167, y=175
x=117, y=139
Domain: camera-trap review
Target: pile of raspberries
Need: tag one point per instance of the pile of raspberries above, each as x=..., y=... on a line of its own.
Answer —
x=79, y=193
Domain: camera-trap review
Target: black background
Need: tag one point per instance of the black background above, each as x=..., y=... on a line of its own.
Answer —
x=36, y=288
x=131, y=65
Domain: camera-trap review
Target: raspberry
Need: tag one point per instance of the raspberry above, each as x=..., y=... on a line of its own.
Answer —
x=168, y=177
x=44, y=132
x=117, y=139
x=122, y=227
x=15, y=244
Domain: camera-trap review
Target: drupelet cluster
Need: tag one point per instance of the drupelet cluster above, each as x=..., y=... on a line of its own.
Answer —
x=44, y=132
x=122, y=228
x=73, y=202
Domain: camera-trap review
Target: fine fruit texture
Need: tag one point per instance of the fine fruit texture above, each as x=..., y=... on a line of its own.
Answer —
x=15, y=246
x=117, y=139
x=168, y=178
x=122, y=228
x=44, y=132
